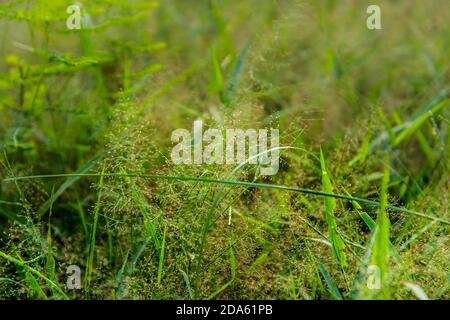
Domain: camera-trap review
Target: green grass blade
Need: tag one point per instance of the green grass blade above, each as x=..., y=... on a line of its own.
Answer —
x=161, y=256
x=364, y=149
x=138, y=254
x=386, y=124
x=381, y=139
x=34, y=284
x=188, y=284
x=120, y=280
x=69, y=182
x=35, y=272
x=413, y=126
x=214, y=204
x=371, y=224
x=50, y=258
x=240, y=183
x=380, y=251
x=231, y=86
x=151, y=229
x=330, y=204
x=90, y=260
x=11, y=216
x=82, y=219
x=359, y=290
x=329, y=281
x=216, y=78
x=233, y=275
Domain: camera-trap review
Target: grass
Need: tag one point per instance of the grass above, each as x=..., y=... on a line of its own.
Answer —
x=87, y=179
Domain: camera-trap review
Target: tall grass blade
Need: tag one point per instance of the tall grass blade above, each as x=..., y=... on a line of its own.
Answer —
x=415, y=124
x=69, y=182
x=34, y=271
x=161, y=256
x=242, y=183
x=330, y=204
x=34, y=284
x=380, y=251
x=329, y=281
x=90, y=260
x=231, y=86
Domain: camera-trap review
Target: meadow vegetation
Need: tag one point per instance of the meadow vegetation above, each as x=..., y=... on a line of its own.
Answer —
x=86, y=118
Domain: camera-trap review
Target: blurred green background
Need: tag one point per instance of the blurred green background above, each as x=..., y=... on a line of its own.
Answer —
x=106, y=97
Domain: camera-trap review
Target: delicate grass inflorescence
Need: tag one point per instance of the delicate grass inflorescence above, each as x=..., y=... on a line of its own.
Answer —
x=358, y=207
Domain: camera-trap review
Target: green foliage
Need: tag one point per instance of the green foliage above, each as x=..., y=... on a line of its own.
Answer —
x=380, y=251
x=330, y=205
x=86, y=117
